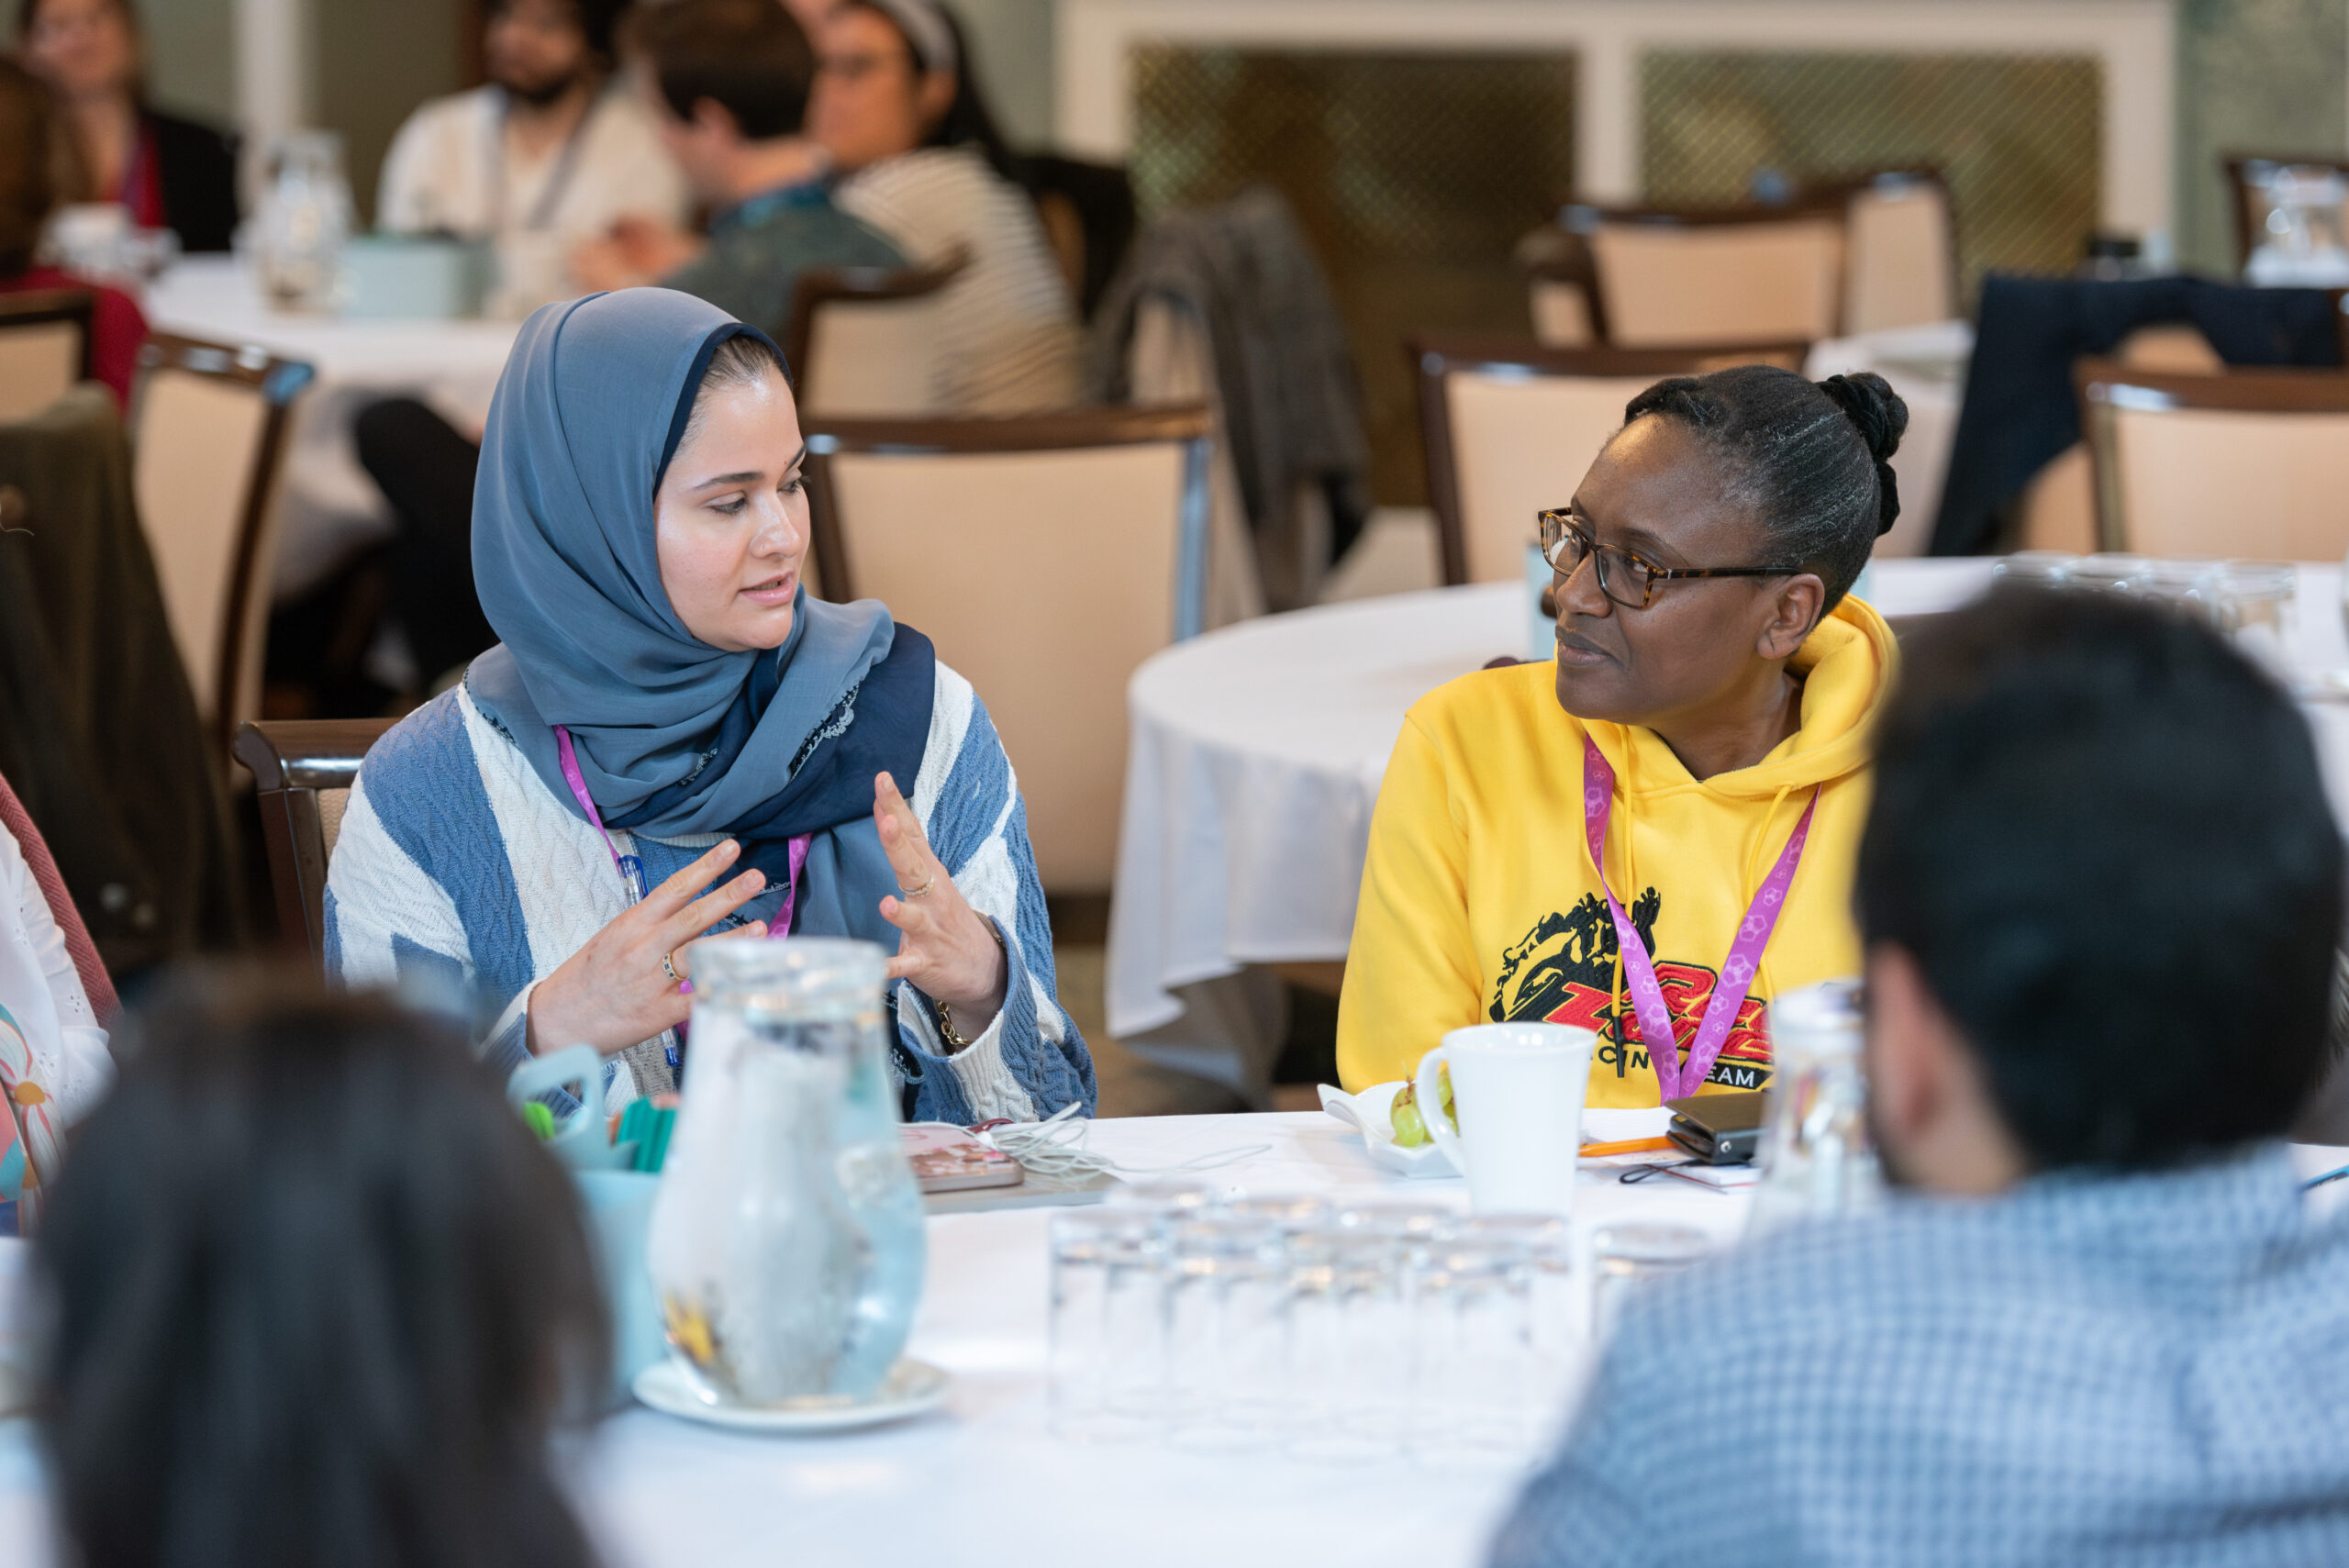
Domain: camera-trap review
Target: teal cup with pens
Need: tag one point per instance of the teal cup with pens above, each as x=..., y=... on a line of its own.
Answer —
x=617, y=1178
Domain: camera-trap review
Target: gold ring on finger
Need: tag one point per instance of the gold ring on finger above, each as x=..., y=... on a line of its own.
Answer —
x=670, y=969
x=917, y=892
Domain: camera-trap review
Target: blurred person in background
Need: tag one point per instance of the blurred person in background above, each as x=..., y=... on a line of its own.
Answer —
x=552, y=151
x=318, y=1298
x=725, y=82
x=898, y=107
x=2099, y=890
x=728, y=84
x=168, y=172
x=29, y=134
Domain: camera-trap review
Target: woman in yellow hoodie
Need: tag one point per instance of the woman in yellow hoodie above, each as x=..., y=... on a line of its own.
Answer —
x=1706, y=719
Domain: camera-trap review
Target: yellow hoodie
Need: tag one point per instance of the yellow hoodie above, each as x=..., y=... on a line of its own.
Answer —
x=1479, y=902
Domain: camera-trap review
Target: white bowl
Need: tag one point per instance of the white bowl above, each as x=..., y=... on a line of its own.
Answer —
x=1371, y=1112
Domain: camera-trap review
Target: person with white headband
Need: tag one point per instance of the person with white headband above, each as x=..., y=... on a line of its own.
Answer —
x=919, y=159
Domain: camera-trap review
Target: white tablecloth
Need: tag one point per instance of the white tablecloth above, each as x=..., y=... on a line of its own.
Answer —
x=1256, y=754
x=329, y=507
x=985, y=1481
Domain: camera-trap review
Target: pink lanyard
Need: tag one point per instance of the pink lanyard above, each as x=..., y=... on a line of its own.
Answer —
x=1674, y=1079
x=631, y=870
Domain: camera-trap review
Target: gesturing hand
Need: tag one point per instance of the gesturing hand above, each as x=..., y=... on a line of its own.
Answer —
x=948, y=949
x=613, y=991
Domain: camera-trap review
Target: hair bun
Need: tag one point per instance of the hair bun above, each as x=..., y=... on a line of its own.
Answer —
x=1882, y=418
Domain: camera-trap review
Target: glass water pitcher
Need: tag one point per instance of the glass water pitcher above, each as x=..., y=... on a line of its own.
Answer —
x=786, y=1245
x=305, y=222
x=1817, y=1157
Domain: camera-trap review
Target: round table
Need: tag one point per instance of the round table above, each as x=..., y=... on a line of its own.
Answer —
x=985, y=1480
x=1255, y=756
x=328, y=508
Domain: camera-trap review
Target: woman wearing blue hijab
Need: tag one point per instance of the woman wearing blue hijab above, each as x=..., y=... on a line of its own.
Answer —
x=667, y=706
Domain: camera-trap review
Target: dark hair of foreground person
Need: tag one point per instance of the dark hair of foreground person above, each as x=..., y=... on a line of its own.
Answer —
x=2142, y=966
x=319, y=1297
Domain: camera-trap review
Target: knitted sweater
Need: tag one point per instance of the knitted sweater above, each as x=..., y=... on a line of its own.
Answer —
x=457, y=869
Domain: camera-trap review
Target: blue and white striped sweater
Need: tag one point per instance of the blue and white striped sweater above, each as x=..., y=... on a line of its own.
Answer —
x=456, y=866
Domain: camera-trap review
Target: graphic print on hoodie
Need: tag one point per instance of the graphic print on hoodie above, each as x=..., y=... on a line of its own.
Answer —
x=1563, y=973
x=1479, y=900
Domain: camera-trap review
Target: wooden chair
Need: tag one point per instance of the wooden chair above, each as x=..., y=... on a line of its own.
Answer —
x=44, y=348
x=1661, y=278
x=862, y=339
x=2247, y=177
x=1900, y=268
x=1510, y=425
x=1047, y=556
x=2249, y=462
x=208, y=442
x=304, y=770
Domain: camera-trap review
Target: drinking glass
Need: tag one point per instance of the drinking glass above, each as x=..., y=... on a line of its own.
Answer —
x=1225, y=1323
x=1108, y=1323
x=1472, y=1317
x=2257, y=604
x=1354, y=1362
x=1625, y=1256
x=2045, y=568
x=2108, y=572
x=1543, y=1248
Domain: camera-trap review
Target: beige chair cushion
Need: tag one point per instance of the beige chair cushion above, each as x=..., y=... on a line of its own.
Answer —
x=1671, y=286
x=193, y=455
x=1902, y=260
x=2203, y=482
x=873, y=359
x=38, y=363
x=1045, y=578
x=1167, y=361
x=1520, y=444
x=1561, y=314
x=2058, y=508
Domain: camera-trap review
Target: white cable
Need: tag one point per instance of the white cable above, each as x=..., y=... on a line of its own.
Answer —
x=1055, y=1147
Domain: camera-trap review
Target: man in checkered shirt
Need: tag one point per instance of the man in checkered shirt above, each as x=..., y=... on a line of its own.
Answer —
x=2100, y=891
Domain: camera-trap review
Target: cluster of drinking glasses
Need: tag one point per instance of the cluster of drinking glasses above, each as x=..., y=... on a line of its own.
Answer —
x=2250, y=601
x=1334, y=1332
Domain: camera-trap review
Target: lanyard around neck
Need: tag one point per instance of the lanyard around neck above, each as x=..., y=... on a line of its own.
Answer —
x=631, y=869
x=558, y=176
x=1675, y=1079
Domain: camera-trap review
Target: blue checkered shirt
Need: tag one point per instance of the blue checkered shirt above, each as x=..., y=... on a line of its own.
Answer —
x=2143, y=1369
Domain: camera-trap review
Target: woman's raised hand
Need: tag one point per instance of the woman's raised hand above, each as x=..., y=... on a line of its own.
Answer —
x=947, y=949
x=615, y=991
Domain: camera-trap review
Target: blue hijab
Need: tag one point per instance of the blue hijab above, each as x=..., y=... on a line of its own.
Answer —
x=673, y=736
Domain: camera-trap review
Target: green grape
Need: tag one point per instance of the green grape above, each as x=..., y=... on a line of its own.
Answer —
x=1411, y=1130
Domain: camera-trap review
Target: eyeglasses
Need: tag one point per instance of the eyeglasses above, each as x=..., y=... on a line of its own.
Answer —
x=1625, y=577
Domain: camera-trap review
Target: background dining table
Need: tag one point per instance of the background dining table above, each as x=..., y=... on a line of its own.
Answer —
x=1254, y=757
x=328, y=508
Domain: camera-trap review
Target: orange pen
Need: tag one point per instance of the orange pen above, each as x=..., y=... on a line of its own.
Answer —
x=1632, y=1146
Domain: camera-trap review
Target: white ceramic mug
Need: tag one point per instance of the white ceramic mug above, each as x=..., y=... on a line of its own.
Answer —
x=1518, y=1090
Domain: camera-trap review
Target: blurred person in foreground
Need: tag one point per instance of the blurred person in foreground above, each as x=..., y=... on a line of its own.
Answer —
x=318, y=1298
x=28, y=137
x=727, y=83
x=898, y=107
x=552, y=151
x=168, y=172
x=2100, y=889
x=1705, y=721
